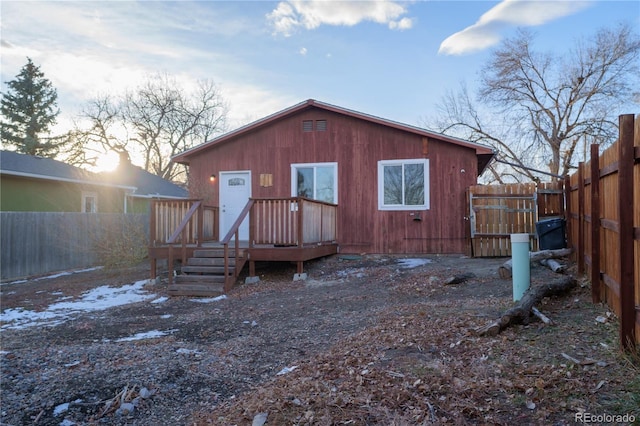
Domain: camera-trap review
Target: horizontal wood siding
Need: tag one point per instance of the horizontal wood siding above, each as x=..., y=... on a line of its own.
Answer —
x=40, y=195
x=356, y=146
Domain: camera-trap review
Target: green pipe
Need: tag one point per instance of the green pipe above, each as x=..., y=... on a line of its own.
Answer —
x=520, y=265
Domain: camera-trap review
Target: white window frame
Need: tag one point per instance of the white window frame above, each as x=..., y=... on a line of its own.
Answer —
x=382, y=164
x=294, y=174
x=89, y=194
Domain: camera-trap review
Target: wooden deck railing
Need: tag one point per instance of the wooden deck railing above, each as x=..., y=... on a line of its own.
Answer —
x=275, y=222
x=181, y=223
x=293, y=221
x=234, y=233
x=167, y=216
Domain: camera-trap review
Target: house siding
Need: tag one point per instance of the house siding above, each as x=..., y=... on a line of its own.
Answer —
x=357, y=146
x=38, y=195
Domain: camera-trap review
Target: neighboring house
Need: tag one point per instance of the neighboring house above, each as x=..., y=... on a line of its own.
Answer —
x=37, y=184
x=399, y=189
x=31, y=183
x=147, y=185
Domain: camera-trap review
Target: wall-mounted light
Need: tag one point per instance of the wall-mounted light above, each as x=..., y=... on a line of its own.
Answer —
x=212, y=178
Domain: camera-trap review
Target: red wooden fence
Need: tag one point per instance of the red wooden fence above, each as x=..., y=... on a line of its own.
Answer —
x=603, y=226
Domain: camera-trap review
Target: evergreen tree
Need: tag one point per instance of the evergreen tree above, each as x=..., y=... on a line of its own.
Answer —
x=29, y=110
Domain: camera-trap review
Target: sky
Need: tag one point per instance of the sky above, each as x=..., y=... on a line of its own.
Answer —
x=392, y=59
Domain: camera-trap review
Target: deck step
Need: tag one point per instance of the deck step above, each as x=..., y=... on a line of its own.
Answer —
x=209, y=261
x=199, y=279
x=213, y=270
x=217, y=252
x=198, y=290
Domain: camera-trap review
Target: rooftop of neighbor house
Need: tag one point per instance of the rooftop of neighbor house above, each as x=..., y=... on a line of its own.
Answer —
x=127, y=176
x=35, y=167
x=148, y=185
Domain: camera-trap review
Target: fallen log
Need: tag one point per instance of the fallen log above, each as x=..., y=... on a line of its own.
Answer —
x=460, y=278
x=553, y=264
x=521, y=312
x=534, y=256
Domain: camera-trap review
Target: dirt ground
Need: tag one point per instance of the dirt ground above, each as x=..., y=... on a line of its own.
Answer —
x=362, y=341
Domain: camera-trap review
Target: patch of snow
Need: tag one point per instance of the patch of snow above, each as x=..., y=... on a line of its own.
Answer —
x=59, y=409
x=165, y=316
x=15, y=282
x=97, y=299
x=188, y=351
x=286, y=370
x=160, y=300
x=352, y=272
x=209, y=299
x=153, y=334
x=56, y=275
x=413, y=263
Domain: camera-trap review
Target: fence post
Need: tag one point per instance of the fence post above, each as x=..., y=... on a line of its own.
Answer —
x=568, y=215
x=625, y=187
x=595, y=223
x=580, y=250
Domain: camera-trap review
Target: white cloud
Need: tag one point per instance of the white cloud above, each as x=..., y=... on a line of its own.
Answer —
x=90, y=48
x=290, y=15
x=303, y=51
x=486, y=31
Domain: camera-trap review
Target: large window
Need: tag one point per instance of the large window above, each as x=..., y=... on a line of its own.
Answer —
x=403, y=184
x=316, y=181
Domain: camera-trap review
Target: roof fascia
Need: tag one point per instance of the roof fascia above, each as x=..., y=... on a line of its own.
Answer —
x=59, y=179
x=157, y=196
x=183, y=158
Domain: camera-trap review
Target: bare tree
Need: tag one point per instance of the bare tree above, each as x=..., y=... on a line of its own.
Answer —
x=155, y=122
x=546, y=106
x=102, y=130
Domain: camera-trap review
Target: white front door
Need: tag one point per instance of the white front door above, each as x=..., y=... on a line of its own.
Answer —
x=235, y=190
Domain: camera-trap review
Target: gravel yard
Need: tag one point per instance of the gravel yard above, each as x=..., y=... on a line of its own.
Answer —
x=371, y=340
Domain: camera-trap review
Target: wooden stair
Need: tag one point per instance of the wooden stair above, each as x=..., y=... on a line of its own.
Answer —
x=203, y=275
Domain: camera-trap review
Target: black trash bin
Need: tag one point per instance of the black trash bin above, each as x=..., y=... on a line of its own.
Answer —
x=551, y=234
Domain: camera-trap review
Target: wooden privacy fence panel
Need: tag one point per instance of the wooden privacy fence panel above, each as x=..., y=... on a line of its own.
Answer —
x=35, y=243
x=604, y=226
x=497, y=211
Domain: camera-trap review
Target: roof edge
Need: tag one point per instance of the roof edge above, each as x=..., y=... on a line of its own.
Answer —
x=61, y=179
x=183, y=158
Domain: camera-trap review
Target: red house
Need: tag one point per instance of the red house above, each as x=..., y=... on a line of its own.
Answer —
x=386, y=187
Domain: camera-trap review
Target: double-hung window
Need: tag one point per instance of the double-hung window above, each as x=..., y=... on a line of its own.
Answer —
x=318, y=181
x=403, y=184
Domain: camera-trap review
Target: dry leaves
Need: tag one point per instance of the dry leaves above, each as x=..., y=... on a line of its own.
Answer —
x=421, y=365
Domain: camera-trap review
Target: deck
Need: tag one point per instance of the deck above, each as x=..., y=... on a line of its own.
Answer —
x=292, y=229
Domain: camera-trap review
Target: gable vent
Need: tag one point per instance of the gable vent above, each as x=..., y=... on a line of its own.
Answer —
x=307, y=125
x=321, y=125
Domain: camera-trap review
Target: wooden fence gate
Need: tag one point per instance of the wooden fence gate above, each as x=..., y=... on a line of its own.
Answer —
x=497, y=211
